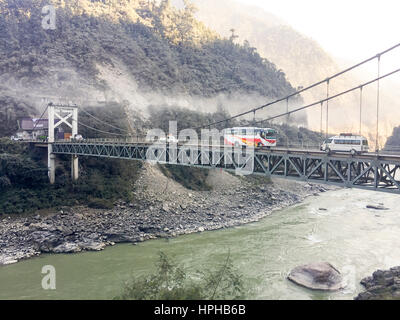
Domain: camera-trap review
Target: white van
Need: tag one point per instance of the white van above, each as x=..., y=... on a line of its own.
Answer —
x=346, y=142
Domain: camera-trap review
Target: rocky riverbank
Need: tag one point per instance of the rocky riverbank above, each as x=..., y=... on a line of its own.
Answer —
x=163, y=209
x=383, y=285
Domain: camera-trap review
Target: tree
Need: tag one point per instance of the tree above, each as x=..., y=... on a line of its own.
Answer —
x=171, y=282
x=233, y=36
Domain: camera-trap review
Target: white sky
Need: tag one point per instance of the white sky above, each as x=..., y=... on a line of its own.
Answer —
x=350, y=30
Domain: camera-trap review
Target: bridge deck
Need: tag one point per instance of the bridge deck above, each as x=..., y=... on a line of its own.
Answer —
x=371, y=171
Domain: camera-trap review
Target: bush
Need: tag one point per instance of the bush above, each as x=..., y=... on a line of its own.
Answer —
x=24, y=185
x=100, y=204
x=171, y=282
x=190, y=178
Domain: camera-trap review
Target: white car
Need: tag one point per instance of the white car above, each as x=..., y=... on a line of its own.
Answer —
x=168, y=139
x=78, y=137
x=13, y=138
x=346, y=142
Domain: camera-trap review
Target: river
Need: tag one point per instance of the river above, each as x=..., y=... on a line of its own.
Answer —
x=356, y=240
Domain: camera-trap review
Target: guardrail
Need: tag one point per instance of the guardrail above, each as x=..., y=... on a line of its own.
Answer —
x=310, y=146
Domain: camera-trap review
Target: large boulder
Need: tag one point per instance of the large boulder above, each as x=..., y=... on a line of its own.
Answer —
x=92, y=245
x=4, y=260
x=45, y=241
x=376, y=207
x=67, y=247
x=317, y=276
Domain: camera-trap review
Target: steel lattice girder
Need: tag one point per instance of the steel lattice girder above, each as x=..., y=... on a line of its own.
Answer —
x=346, y=171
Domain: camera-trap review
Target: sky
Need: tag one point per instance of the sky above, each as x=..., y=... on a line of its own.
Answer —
x=350, y=30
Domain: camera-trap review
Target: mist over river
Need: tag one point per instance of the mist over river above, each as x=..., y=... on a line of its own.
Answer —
x=356, y=240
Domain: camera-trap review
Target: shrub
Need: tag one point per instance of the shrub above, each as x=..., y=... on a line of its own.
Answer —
x=190, y=178
x=100, y=204
x=171, y=282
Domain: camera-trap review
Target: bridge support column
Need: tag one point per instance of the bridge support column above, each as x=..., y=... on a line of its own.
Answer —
x=74, y=168
x=51, y=164
x=58, y=115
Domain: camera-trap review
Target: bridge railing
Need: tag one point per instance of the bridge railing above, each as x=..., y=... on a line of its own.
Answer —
x=391, y=149
x=302, y=145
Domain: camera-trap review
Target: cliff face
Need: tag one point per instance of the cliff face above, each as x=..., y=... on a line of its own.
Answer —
x=129, y=51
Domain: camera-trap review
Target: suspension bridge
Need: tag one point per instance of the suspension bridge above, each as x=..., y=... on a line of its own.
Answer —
x=378, y=170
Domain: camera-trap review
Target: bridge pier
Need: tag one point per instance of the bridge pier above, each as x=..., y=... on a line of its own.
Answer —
x=74, y=168
x=58, y=115
x=51, y=164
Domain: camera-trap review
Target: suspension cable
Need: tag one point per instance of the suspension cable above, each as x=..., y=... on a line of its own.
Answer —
x=103, y=122
x=332, y=97
x=361, y=101
x=101, y=131
x=377, y=105
x=287, y=110
x=41, y=117
x=304, y=89
x=327, y=109
x=322, y=106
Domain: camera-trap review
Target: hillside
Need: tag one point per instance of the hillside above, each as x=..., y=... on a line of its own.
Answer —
x=393, y=142
x=128, y=51
x=130, y=63
x=301, y=58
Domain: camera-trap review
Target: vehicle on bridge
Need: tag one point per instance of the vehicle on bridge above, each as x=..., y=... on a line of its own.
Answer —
x=168, y=139
x=346, y=142
x=250, y=136
x=17, y=137
x=78, y=138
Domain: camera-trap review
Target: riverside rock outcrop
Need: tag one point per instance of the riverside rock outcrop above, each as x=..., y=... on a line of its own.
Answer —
x=383, y=285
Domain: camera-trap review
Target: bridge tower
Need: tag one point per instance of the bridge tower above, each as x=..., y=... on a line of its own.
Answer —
x=59, y=114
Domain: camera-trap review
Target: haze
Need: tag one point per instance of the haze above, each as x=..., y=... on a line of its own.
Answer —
x=348, y=30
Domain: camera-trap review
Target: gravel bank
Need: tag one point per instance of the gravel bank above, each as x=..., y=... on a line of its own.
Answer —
x=162, y=208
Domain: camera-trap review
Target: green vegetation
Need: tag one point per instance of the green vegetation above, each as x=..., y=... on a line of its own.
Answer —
x=24, y=183
x=163, y=48
x=172, y=282
x=190, y=178
x=10, y=110
x=113, y=114
x=160, y=116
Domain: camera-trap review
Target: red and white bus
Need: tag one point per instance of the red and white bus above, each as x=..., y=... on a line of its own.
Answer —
x=250, y=136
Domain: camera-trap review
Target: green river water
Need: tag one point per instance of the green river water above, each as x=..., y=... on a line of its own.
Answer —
x=356, y=240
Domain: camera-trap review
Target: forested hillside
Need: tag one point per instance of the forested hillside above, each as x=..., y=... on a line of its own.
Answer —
x=123, y=51
x=134, y=64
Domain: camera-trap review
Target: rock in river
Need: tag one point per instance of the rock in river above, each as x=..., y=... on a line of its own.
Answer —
x=376, y=207
x=317, y=276
x=92, y=246
x=7, y=260
x=67, y=247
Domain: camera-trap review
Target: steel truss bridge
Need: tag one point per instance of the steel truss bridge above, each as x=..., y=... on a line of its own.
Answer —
x=370, y=171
